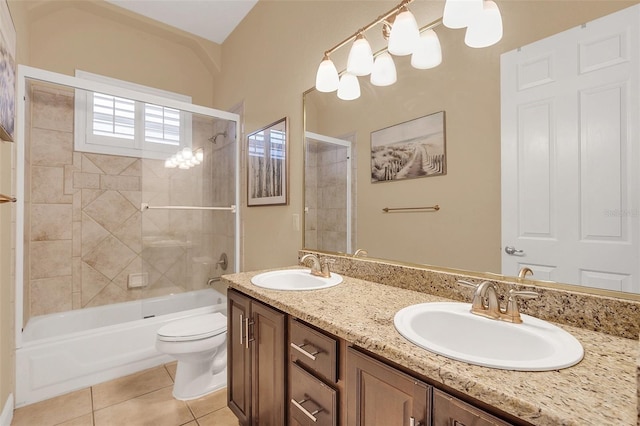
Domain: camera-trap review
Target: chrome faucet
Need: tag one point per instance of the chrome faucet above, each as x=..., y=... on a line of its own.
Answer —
x=319, y=267
x=485, y=302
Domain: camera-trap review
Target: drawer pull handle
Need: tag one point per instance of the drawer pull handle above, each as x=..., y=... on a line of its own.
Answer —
x=311, y=415
x=241, y=321
x=311, y=355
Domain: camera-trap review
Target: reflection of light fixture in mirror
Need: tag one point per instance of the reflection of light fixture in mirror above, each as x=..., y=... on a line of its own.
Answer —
x=485, y=29
x=459, y=13
x=428, y=53
x=349, y=87
x=404, y=34
x=384, y=70
x=360, y=60
x=184, y=159
x=327, y=75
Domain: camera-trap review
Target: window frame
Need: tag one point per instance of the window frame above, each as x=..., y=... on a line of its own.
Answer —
x=86, y=141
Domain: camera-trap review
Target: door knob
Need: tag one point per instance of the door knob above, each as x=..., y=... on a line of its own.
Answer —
x=510, y=250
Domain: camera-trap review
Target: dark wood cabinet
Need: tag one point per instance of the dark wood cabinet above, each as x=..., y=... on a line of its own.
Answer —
x=450, y=411
x=380, y=395
x=282, y=371
x=314, y=383
x=256, y=361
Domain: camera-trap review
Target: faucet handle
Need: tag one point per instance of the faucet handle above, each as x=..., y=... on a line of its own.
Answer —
x=512, y=314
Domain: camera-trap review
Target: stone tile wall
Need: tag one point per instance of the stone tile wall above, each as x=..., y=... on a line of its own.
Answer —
x=325, y=192
x=86, y=232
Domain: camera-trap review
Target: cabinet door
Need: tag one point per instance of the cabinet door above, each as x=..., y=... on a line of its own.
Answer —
x=238, y=357
x=379, y=395
x=268, y=362
x=450, y=411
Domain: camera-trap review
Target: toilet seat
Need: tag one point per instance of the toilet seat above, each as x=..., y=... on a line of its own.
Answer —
x=193, y=328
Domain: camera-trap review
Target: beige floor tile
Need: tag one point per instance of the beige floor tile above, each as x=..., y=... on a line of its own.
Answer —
x=134, y=385
x=157, y=408
x=222, y=417
x=208, y=404
x=86, y=420
x=171, y=368
x=54, y=411
x=193, y=423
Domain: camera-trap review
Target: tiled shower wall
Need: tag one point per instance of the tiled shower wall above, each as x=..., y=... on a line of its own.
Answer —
x=326, y=197
x=85, y=231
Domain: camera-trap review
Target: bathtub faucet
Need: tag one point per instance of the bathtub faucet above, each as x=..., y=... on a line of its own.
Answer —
x=213, y=280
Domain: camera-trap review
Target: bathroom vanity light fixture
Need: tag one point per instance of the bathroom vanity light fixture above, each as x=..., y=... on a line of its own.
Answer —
x=481, y=18
x=184, y=159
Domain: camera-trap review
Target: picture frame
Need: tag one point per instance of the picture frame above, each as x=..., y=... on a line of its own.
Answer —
x=268, y=165
x=7, y=73
x=409, y=150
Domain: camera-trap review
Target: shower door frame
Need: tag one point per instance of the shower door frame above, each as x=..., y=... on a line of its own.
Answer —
x=31, y=73
x=349, y=146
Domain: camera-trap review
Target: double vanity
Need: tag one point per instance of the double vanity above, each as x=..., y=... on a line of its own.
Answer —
x=350, y=351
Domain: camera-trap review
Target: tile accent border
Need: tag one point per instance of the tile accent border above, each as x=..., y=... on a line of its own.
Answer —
x=610, y=315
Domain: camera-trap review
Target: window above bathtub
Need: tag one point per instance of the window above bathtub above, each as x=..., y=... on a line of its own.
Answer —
x=113, y=125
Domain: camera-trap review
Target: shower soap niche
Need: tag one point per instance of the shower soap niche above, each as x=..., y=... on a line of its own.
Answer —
x=138, y=280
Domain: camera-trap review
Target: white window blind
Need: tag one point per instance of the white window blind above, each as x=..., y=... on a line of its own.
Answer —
x=114, y=117
x=161, y=125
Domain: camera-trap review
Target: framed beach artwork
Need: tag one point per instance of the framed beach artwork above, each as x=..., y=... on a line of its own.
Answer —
x=409, y=150
x=267, y=165
x=7, y=73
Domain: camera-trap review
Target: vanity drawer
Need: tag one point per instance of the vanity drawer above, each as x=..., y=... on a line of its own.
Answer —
x=311, y=402
x=313, y=349
x=450, y=411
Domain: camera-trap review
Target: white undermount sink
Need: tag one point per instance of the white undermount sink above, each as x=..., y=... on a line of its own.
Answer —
x=451, y=330
x=294, y=279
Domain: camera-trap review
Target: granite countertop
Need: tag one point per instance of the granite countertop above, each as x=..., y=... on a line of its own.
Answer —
x=600, y=390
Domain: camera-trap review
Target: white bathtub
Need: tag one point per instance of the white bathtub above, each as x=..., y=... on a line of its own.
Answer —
x=73, y=350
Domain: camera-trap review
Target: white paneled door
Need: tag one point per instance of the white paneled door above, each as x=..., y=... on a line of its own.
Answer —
x=571, y=155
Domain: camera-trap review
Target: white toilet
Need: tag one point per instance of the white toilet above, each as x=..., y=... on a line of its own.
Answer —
x=199, y=345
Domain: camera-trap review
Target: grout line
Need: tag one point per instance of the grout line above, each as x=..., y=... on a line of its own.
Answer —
x=93, y=413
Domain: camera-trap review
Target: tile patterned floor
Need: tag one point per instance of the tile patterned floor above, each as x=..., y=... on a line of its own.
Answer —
x=140, y=399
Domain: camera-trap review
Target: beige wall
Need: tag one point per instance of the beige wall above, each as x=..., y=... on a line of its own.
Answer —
x=95, y=36
x=271, y=71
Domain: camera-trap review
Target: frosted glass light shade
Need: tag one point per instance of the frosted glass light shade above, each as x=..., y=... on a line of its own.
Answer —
x=384, y=70
x=327, y=76
x=404, y=34
x=486, y=28
x=428, y=53
x=460, y=13
x=360, y=60
x=349, y=87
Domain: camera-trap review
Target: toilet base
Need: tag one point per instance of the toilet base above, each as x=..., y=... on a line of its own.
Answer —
x=193, y=385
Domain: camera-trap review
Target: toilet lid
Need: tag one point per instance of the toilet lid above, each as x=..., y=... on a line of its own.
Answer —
x=193, y=328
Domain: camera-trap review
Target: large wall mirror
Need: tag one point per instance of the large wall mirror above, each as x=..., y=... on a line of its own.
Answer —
x=465, y=233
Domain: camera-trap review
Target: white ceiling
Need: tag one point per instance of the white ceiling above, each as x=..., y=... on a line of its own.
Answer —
x=210, y=19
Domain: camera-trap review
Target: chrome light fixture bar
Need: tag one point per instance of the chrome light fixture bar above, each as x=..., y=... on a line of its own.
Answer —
x=481, y=18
